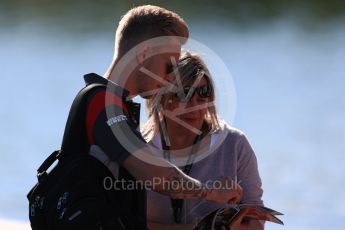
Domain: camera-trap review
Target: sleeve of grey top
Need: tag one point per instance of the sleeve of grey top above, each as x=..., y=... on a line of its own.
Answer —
x=247, y=172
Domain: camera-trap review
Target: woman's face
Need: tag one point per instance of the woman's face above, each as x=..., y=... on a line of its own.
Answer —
x=191, y=112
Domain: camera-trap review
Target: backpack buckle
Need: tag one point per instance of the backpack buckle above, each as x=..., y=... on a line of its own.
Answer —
x=42, y=170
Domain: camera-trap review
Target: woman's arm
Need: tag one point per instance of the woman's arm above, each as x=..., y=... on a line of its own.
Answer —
x=248, y=173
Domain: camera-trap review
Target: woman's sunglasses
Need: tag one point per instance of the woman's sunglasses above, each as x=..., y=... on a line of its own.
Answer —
x=202, y=91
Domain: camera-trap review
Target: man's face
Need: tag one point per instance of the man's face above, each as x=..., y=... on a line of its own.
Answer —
x=157, y=69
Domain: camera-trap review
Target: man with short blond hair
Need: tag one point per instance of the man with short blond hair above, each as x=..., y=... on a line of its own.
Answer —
x=148, y=38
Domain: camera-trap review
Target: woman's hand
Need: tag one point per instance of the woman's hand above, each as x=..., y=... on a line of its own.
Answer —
x=243, y=223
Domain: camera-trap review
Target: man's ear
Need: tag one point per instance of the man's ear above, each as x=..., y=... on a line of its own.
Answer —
x=142, y=53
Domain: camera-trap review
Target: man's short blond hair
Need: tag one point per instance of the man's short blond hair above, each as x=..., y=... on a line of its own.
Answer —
x=146, y=22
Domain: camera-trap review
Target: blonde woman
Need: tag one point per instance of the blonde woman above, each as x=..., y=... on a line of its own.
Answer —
x=199, y=143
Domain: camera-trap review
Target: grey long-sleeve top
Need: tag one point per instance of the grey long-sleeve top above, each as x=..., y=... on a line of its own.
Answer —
x=230, y=155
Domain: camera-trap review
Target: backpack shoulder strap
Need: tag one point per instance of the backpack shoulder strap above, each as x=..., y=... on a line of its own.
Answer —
x=75, y=112
x=75, y=138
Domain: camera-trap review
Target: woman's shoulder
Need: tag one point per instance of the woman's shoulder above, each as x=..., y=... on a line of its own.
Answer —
x=235, y=141
x=226, y=137
x=232, y=132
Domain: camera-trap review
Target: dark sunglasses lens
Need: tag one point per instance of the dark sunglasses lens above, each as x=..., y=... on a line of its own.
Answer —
x=205, y=91
x=183, y=93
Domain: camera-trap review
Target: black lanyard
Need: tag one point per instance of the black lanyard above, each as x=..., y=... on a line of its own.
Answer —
x=177, y=204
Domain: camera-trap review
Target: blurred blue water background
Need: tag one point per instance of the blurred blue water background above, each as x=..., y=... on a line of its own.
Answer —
x=289, y=77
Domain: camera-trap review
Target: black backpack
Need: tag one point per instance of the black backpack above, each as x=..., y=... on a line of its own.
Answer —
x=75, y=193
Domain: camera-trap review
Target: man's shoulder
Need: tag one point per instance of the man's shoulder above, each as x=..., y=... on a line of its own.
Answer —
x=93, y=80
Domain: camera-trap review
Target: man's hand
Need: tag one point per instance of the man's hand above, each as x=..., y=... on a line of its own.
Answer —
x=225, y=192
x=174, y=183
